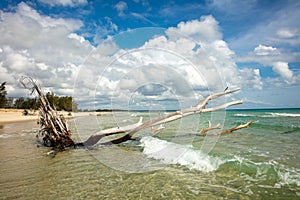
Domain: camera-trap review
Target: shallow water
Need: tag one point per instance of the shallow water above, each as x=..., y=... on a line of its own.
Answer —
x=261, y=162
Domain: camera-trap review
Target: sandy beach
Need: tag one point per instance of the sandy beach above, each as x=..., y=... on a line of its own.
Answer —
x=16, y=115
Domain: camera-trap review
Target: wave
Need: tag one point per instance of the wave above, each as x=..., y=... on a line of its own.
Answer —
x=243, y=115
x=267, y=170
x=254, y=172
x=268, y=114
x=184, y=155
x=282, y=115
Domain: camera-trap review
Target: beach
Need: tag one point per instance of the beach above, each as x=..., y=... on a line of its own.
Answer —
x=16, y=115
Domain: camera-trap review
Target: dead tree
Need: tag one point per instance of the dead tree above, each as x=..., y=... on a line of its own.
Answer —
x=54, y=129
x=56, y=133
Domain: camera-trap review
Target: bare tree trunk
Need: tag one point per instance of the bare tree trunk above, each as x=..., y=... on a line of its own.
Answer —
x=54, y=128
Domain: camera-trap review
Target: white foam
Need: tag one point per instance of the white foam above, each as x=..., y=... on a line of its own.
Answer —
x=286, y=114
x=243, y=115
x=281, y=115
x=172, y=153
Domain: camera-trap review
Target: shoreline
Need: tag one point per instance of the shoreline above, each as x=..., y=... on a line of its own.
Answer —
x=10, y=116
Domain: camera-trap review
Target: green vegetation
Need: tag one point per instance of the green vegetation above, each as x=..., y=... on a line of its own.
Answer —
x=60, y=103
x=2, y=95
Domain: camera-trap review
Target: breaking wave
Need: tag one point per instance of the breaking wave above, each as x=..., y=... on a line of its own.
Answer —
x=184, y=155
x=282, y=115
x=267, y=114
x=243, y=115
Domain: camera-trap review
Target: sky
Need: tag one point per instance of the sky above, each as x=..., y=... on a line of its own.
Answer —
x=142, y=54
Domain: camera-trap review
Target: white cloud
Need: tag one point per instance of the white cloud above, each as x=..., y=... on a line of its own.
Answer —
x=121, y=6
x=283, y=70
x=188, y=58
x=262, y=50
x=287, y=32
x=42, y=66
x=174, y=61
x=71, y=3
x=43, y=47
x=204, y=31
x=213, y=58
x=104, y=29
x=281, y=26
x=269, y=56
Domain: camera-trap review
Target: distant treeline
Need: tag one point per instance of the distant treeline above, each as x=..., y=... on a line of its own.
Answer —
x=60, y=103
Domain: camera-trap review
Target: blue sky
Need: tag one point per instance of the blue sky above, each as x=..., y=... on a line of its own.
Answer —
x=122, y=54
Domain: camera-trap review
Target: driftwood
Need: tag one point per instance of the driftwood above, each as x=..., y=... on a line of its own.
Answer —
x=204, y=131
x=54, y=129
x=198, y=109
x=56, y=133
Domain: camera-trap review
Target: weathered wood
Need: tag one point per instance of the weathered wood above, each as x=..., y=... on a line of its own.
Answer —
x=54, y=129
x=198, y=109
x=56, y=133
x=246, y=125
x=204, y=131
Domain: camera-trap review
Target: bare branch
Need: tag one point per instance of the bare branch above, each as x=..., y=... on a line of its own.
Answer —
x=199, y=108
x=204, y=131
x=246, y=125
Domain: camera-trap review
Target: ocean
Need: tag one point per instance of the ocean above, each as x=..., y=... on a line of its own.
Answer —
x=259, y=162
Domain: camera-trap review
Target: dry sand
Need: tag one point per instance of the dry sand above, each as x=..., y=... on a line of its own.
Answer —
x=16, y=115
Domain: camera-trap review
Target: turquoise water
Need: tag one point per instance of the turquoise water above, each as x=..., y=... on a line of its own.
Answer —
x=259, y=162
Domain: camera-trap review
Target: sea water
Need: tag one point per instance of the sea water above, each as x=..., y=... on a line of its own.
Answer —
x=259, y=162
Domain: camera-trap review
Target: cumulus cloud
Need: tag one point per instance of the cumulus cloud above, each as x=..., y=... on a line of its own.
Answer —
x=269, y=56
x=43, y=47
x=213, y=57
x=262, y=50
x=283, y=70
x=71, y=3
x=205, y=30
x=177, y=65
